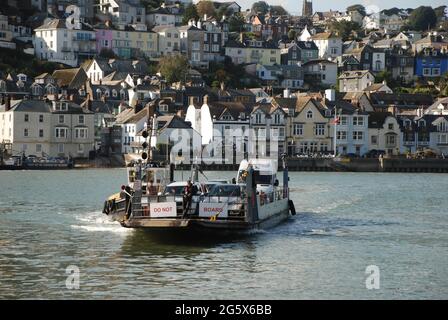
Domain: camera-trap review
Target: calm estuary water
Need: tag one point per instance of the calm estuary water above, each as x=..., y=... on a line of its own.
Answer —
x=346, y=221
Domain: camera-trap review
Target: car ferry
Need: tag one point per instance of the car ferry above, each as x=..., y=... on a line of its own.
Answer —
x=153, y=201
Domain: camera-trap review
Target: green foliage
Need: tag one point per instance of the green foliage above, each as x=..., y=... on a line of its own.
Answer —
x=107, y=53
x=236, y=23
x=190, y=13
x=292, y=34
x=234, y=76
x=344, y=29
x=174, y=68
x=357, y=7
x=422, y=18
x=440, y=12
x=206, y=7
x=151, y=4
x=279, y=11
x=260, y=7
x=16, y=61
x=386, y=76
x=391, y=11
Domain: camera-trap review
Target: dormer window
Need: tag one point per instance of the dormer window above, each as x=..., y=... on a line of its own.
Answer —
x=227, y=117
x=309, y=114
x=114, y=93
x=434, y=53
x=421, y=123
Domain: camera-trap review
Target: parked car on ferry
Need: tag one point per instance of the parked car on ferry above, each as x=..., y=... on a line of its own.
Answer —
x=232, y=194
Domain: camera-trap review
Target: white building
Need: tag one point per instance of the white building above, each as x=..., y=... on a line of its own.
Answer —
x=60, y=41
x=40, y=128
x=323, y=71
x=124, y=12
x=169, y=40
x=355, y=81
x=330, y=45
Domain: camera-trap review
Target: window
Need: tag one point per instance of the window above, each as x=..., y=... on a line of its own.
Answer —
x=391, y=126
x=358, y=121
x=41, y=118
x=81, y=119
x=61, y=132
x=436, y=72
x=374, y=140
x=426, y=71
x=277, y=118
x=390, y=140
x=61, y=148
x=81, y=133
x=442, y=139
x=80, y=148
x=342, y=135
x=298, y=129
x=309, y=114
x=343, y=120
x=323, y=147
x=258, y=118
x=357, y=135
x=27, y=118
x=38, y=148
x=25, y=132
x=442, y=127
x=320, y=129
x=61, y=118
x=195, y=45
x=41, y=133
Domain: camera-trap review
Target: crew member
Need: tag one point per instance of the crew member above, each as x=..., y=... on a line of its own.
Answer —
x=188, y=197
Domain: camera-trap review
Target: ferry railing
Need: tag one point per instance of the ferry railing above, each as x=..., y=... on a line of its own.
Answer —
x=236, y=207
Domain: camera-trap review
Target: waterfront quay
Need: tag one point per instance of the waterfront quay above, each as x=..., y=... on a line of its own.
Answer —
x=347, y=165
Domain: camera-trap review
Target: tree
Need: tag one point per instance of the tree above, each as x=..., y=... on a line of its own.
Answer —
x=440, y=12
x=344, y=28
x=206, y=7
x=292, y=34
x=278, y=11
x=174, y=68
x=261, y=7
x=387, y=77
x=422, y=18
x=357, y=7
x=236, y=23
x=190, y=13
x=392, y=11
x=107, y=53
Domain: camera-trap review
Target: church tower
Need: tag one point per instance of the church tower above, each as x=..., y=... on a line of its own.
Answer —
x=307, y=9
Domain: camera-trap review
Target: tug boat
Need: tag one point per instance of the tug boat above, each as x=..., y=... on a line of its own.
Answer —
x=254, y=201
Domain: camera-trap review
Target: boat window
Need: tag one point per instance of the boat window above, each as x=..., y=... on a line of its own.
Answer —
x=174, y=190
x=262, y=179
x=225, y=191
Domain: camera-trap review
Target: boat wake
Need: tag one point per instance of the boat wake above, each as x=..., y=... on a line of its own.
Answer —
x=98, y=222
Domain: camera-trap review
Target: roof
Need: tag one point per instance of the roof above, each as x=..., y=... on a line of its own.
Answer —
x=354, y=74
x=405, y=99
x=377, y=119
x=72, y=78
x=42, y=106
x=61, y=24
x=324, y=36
x=217, y=109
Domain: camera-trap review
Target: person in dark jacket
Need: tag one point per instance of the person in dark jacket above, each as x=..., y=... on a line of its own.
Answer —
x=188, y=197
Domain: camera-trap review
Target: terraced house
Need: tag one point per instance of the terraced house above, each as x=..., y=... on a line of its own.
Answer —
x=38, y=127
x=254, y=51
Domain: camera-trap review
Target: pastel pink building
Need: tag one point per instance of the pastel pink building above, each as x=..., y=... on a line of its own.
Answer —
x=103, y=39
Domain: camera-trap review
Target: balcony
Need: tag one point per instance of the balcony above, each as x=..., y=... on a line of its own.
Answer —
x=409, y=143
x=423, y=143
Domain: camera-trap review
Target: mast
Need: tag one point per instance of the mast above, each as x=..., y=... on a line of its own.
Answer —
x=335, y=131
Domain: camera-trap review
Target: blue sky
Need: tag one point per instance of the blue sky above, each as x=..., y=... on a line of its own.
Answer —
x=295, y=6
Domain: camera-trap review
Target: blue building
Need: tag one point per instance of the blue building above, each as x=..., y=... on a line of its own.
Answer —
x=431, y=62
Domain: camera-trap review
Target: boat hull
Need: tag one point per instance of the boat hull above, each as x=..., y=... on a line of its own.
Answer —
x=196, y=225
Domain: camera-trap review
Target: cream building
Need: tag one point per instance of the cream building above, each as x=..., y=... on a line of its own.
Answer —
x=41, y=128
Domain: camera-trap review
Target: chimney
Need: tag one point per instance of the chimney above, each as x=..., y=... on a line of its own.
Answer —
x=206, y=97
x=205, y=17
x=103, y=98
x=8, y=103
x=223, y=86
x=72, y=97
x=330, y=94
x=191, y=101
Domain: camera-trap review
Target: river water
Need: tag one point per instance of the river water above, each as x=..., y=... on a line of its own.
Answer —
x=346, y=221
